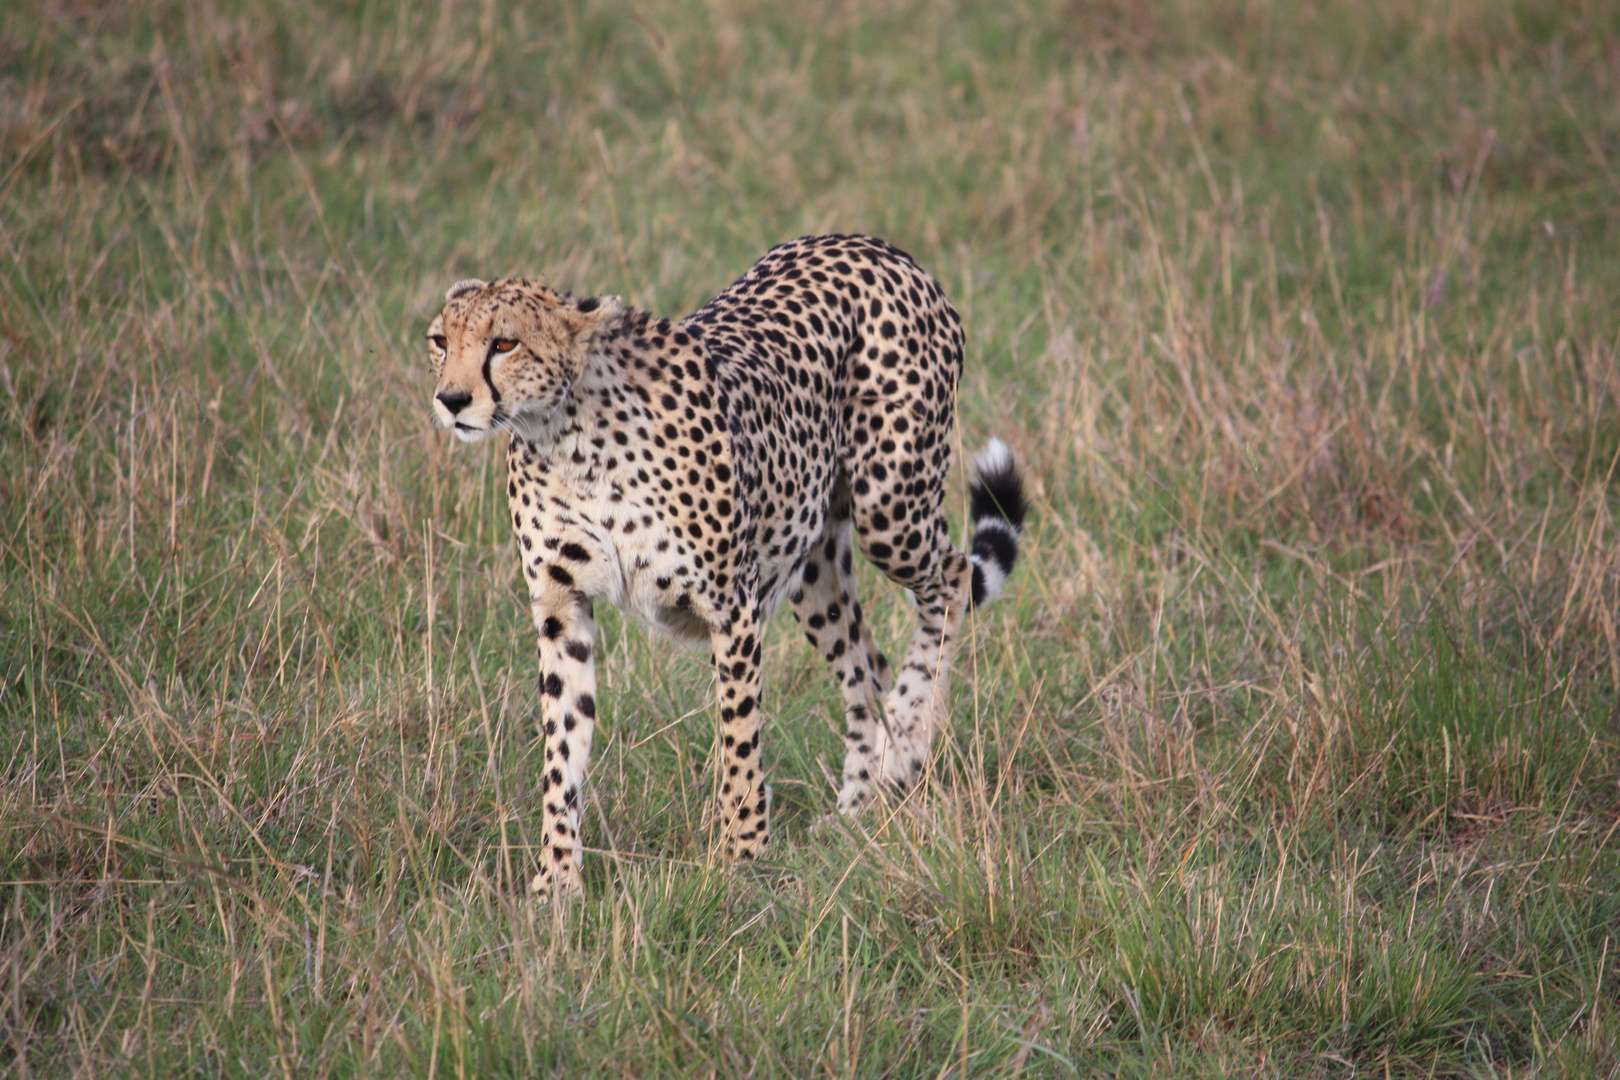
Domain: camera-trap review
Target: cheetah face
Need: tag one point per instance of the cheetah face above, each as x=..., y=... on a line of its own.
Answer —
x=507, y=352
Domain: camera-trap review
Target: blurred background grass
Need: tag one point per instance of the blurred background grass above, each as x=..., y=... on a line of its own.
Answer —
x=1293, y=753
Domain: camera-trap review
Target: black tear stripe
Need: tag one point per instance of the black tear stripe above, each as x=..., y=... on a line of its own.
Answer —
x=489, y=382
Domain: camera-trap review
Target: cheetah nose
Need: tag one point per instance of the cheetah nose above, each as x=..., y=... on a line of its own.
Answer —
x=454, y=400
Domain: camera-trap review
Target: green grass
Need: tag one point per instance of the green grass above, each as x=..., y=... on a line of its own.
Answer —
x=1293, y=751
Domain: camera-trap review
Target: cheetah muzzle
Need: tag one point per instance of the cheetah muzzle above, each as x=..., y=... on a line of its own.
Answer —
x=698, y=473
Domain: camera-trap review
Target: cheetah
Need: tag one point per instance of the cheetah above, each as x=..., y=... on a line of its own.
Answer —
x=698, y=473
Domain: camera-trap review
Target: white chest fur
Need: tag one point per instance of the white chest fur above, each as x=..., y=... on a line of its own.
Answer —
x=611, y=543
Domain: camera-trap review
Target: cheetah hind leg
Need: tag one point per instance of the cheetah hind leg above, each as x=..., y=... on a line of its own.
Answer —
x=829, y=613
x=914, y=710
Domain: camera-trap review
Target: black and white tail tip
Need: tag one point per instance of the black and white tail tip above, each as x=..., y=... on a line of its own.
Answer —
x=997, y=506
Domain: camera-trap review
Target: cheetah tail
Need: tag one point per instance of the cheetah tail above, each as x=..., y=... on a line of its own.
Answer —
x=997, y=506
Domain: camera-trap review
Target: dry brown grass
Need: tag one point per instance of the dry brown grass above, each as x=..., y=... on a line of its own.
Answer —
x=1293, y=754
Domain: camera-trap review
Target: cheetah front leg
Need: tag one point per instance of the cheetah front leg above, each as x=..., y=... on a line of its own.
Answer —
x=568, y=721
x=745, y=800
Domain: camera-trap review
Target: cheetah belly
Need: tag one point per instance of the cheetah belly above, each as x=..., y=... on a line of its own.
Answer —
x=661, y=591
x=657, y=588
x=650, y=607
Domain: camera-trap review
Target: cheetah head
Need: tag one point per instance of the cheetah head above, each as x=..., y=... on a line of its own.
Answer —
x=507, y=352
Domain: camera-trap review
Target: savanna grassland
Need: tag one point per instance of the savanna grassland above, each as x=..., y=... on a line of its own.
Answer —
x=1292, y=752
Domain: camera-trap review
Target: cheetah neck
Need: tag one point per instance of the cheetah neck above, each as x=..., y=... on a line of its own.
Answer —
x=556, y=433
x=543, y=430
x=559, y=437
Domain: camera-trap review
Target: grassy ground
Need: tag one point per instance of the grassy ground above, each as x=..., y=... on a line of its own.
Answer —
x=1293, y=752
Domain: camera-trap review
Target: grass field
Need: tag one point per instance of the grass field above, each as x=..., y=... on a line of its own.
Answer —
x=1293, y=752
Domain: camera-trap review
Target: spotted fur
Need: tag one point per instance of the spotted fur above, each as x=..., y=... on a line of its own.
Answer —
x=699, y=473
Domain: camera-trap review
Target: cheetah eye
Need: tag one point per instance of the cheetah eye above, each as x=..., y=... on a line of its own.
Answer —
x=438, y=341
x=504, y=345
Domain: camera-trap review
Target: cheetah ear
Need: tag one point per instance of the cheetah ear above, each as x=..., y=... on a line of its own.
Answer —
x=465, y=285
x=593, y=315
x=607, y=305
